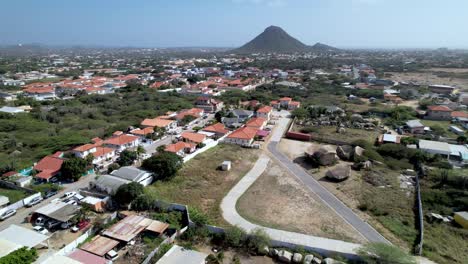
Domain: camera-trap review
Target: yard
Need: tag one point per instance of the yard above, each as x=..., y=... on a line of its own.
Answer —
x=329, y=133
x=200, y=183
x=443, y=124
x=13, y=195
x=279, y=201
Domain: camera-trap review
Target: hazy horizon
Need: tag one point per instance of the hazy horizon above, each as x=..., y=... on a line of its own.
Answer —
x=354, y=24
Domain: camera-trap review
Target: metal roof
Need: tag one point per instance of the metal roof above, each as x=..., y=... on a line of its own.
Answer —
x=180, y=255
x=130, y=173
x=414, y=123
x=87, y=258
x=128, y=228
x=157, y=227
x=6, y=247
x=100, y=245
x=389, y=138
x=435, y=146
x=59, y=211
x=58, y=259
x=22, y=236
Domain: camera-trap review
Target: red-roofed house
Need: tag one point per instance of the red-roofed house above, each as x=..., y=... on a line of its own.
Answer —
x=284, y=102
x=208, y=104
x=243, y=136
x=275, y=104
x=49, y=166
x=456, y=114
x=293, y=105
x=257, y=122
x=160, y=122
x=265, y=112
x=122, y=142
x=181, y=148
x=194, y=138
x=142, y=133
x=219, y=129
x=194, y=112
x=439, y=112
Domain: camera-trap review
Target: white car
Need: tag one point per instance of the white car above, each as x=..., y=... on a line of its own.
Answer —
x=7, y=214
x=69, y=194
x=41, y=229
x=75, y=229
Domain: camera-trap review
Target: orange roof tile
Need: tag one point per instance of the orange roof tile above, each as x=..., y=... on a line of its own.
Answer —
x=256, y=122
x=121, y=140
x=176, y=147
x=440, y=108
x=101, y=151
x=459, y=114
x=194, y=137
x=244, y=133
x=265, y=109
x=217, y=128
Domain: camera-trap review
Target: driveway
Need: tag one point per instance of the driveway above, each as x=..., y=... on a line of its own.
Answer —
x=313, y=185
x=22, y=213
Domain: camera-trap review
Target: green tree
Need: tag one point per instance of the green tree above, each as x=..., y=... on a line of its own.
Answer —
x=126, y=193
x=300, y=113
x=381, y=253
x=258, y=239
x=127, y=158
x=462, y=139
x=140, y=150
x=20, y=256
x=73, y=168
x=163, y=166
x=143, y=203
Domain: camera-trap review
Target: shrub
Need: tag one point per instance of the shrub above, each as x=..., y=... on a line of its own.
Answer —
x=198, y=217
x=395, y=164
x=381, y=253
x=19, y=256
x=258, y=239
x=234, y=236
x=373, y=155
x=143, y=203
x=396, y=151
x=362, y=143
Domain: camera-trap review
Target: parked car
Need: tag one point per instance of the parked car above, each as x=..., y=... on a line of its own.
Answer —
x=50, y=193
x=34, y=201
x=69, y=194
x=52, y=223
x=75, y=229
x=53, y=180
x=65, y=225
x=7, y=214
x=40, y=221
x=112, y=255
x=41, y=229
x=72, y=202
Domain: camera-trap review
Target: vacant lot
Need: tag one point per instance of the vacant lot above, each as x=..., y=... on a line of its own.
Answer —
x=201, y=184
x=329, y=133
x=279, y=200
x=13, y=195
x=446, y=76
x=443, y=124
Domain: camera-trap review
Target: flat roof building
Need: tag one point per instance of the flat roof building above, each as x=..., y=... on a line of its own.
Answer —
x=180, y=255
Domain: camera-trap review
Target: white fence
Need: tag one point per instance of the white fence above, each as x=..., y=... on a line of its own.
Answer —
x=75, y=243
x=20, y=203
x=208, y=145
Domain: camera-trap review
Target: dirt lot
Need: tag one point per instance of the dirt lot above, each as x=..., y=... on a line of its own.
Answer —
x=348, y=191
x=429, y=77
x=200, y=183
x=278, y=200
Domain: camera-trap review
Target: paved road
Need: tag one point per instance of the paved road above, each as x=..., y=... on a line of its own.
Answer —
x=327, y=197
x=22, y=213
x=151, y=148
x=228, y=206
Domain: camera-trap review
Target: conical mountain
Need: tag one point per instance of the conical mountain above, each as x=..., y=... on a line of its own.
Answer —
x=275, y=39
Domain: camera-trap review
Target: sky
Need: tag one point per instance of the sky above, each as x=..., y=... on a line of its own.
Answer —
x=231, y=23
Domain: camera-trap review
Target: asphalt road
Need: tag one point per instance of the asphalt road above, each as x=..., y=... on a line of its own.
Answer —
x=327, y=197
x=22, y=213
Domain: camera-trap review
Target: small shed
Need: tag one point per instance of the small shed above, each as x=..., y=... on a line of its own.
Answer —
x=96, y=204
x=226, y=165
x=4, y=200
x=24, y=181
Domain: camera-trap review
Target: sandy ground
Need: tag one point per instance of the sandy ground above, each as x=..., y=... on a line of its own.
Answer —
x=277, y=199
x=428, y=77
x=347, y=191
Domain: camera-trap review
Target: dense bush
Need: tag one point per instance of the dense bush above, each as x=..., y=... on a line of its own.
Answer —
x=164, y=166
x=382, y=253
x=20, y=256
x=235, y=237
x=143, y=203
x=128, y=192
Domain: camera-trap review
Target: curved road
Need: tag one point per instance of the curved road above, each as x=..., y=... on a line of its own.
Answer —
x=230, y=214
x=313, y=185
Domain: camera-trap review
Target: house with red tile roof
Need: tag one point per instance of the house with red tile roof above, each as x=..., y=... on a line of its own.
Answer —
x=208, y=104
x=142, y=133
x=293, y=105
x=101, y=154
x=256, y=122
x=284, y=102
x=122, y=142
x=438, y=112
x=49, y=166
x=194, y=112
x=181, y=148
x=265, y=112
x=161, y=122
x=275, y=104
x=40, y=91
x=243, y=136
x=461, y=114
x=195, y=138
x=219, y=129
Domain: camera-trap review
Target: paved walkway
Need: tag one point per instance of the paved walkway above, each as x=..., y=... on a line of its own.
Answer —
x=313, y=185
x=228, y=206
